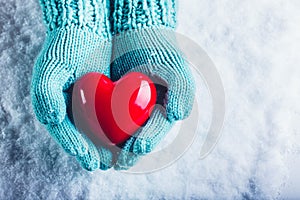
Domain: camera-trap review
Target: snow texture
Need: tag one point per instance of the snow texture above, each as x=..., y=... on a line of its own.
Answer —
x=255, y=46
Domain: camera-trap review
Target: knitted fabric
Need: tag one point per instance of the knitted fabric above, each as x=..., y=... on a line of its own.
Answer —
x=144, y=142
x=91, y=14
x=135, y=14
x=77, y=42
x=145, y=41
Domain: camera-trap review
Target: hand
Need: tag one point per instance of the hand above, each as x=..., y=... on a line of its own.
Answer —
x=153, y=52
x=67, y=54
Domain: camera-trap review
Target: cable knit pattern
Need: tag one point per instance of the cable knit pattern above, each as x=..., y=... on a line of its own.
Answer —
x=86, y=14
x=133, y=14
x=145, y=41
x=78, y=41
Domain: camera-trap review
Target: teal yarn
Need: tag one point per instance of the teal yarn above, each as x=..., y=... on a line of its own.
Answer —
x=78, y=41
x=144, y=40
x=144, y=140
x=67, y=54
x=91, y=15
x=153, y=52
x=137, y=14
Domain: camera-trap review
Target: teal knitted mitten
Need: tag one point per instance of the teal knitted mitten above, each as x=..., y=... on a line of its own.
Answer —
x=145, y=41
x=78, y=41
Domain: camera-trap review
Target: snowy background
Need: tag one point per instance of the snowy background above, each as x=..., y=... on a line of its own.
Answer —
x=255, y=45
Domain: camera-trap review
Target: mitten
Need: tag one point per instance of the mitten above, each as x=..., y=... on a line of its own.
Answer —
x=78, y=41
x=144, y=41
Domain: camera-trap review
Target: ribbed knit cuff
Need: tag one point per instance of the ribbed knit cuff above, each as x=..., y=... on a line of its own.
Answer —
x=134, y=14
x=90, y=14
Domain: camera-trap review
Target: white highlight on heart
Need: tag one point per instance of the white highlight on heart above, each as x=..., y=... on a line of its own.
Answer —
x=144, y=94
x=82, y=96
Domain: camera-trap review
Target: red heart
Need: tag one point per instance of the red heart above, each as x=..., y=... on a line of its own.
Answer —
x=112, y=111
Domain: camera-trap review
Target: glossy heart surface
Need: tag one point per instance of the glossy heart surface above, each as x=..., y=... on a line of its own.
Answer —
x=111, y=112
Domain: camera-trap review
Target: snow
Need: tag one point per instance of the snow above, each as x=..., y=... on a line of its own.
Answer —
x=254, y=45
